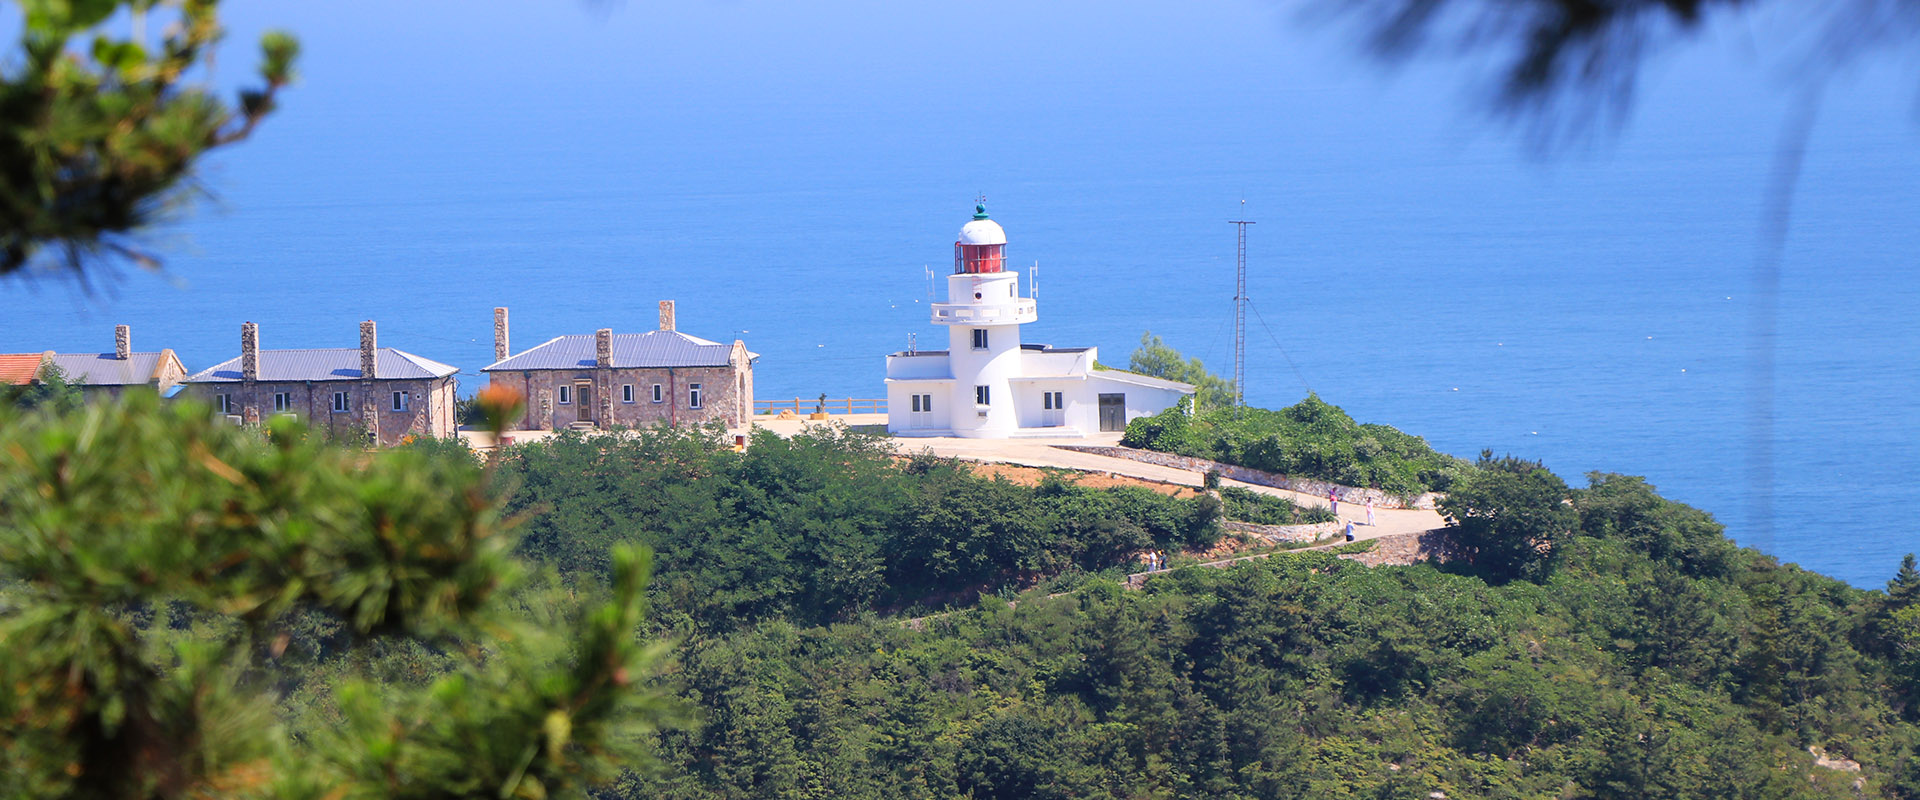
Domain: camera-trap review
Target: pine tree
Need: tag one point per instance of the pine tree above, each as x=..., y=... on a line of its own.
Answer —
x=154, y=560
x=1904, y=589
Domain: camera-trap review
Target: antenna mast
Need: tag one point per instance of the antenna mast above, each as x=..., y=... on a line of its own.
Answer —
x=1240, y=312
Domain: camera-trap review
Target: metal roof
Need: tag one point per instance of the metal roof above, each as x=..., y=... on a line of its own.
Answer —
x=103, y=369
x=327, y=364
x=19, y=369
x=650, y=350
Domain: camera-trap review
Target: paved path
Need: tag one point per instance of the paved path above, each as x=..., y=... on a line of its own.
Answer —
x=1042, y=453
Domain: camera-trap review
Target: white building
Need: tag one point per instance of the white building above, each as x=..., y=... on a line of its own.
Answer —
x=989, y=385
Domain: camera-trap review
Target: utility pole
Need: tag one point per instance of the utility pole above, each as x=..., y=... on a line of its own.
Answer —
x=1240, y=313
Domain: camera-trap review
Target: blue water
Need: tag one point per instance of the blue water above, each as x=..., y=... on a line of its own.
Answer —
x=785, y=171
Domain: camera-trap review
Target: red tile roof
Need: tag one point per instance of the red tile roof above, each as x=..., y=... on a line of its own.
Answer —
x=19, y=370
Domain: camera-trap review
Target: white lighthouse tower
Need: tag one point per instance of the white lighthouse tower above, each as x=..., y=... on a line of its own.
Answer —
x=989, y=384
x=983, y=314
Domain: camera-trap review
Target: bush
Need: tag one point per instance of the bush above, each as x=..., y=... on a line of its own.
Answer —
x=1310, y=439
x=1264, y=509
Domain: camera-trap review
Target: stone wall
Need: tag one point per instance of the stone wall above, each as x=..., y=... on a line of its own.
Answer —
x=1278, y=534
x=726, y=395
x=1406, y=548
x=430, y=406
x=1317, y=488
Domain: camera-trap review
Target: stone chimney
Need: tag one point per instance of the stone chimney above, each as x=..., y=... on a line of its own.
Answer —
x=603, y=347
x=666, y=315
x=369, y=342
x=122, y=342
x=249, y=351
x=500, y=349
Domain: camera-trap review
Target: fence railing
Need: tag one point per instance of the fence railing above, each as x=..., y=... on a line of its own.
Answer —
x=832, y=405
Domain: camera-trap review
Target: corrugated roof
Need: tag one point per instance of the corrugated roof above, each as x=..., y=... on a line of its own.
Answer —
x=18, y=369
x=102, y=369
x=327, y=364
x=649, y=350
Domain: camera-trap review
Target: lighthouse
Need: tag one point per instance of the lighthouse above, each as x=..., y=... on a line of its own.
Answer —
x=990, y=384
x=983, y=314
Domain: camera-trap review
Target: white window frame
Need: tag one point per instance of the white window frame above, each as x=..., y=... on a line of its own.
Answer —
x=341, y=405
x=224, y=402
x=282, y=402
x=979, y=338
x=566, y=395
x=626, y=393
x=983, y=395
x=693, y=395
x=659, y=394
x=401, y=401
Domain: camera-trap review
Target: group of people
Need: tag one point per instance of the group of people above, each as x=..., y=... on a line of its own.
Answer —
x=1156, y=561
x=1333, y=500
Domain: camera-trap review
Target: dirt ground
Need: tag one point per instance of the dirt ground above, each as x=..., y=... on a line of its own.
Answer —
x=1031, y=476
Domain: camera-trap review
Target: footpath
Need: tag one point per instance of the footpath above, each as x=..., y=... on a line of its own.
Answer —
x=1043, y=453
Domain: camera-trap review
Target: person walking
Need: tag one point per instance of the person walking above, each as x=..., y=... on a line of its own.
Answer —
x=1349, y=531
x=1369, y=512
x=1333, y=499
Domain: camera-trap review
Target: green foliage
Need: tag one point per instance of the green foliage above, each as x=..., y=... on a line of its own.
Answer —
x=98, y=134
x=822, y=525
x=1265, y=509
x=1155, y=359
x=50, y=389
x=1508, y=516
x=156, y=565
x=1304, y=676
x=1310, y=439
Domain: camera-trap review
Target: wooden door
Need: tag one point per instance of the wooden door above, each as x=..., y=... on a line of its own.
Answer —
x=1113, y=412
x=583, y=400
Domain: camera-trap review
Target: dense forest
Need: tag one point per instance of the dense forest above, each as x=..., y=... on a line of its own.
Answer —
x=1587, y=642
x=831, y=620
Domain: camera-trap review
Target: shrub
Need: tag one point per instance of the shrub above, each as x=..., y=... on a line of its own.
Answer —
x=1310, y=439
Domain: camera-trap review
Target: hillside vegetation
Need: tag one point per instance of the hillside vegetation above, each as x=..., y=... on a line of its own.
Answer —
x=823, y=525
x=1646, y=658
x=288, y=619
x=1310, y=439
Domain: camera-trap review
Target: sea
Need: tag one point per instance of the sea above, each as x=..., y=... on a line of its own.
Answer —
x=791, y=174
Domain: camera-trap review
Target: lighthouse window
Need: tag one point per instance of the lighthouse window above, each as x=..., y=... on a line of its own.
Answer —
x=976, y=295
x=979, y=338
x=980, y=396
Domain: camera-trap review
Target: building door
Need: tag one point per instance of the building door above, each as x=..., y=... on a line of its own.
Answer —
x=922, y=411
x=1053, y=409
x=1113, y=412
x=583, y=400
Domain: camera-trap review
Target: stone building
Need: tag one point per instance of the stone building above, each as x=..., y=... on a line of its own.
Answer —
x=378, y=393
x=101, y=374
x=631, y=380
x=110, y=374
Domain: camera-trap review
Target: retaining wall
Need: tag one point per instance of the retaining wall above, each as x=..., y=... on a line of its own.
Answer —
x=1317, y=488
